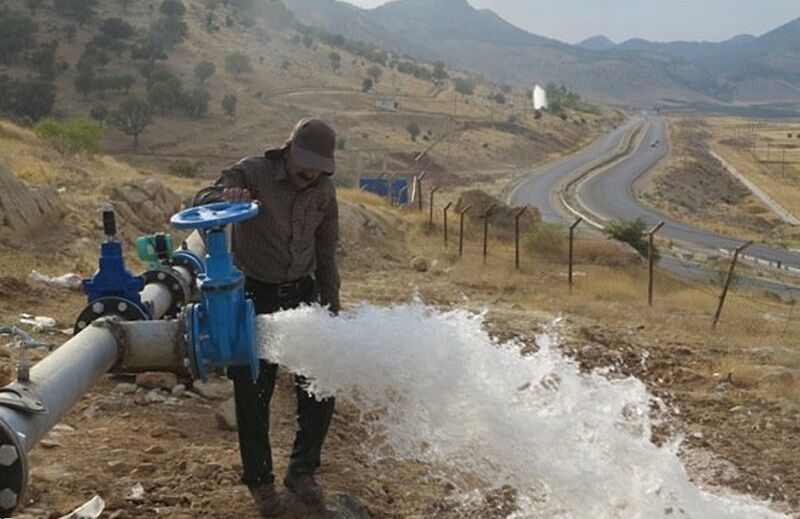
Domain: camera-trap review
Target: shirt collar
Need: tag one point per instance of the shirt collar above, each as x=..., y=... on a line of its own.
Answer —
x=279, y=164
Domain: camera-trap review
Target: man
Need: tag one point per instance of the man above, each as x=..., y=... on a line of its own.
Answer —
x=288, y=255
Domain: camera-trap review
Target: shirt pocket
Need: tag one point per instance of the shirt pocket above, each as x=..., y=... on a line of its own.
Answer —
x=314, y=217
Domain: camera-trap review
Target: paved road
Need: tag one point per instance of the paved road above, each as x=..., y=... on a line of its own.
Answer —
x=540, y=188
x=609, y=195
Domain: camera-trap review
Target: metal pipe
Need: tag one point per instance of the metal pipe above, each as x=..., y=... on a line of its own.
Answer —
x=29, y=409
x=159, y=297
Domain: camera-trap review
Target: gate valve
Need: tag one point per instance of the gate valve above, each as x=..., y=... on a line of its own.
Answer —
x=221, y=328
x=113, y=289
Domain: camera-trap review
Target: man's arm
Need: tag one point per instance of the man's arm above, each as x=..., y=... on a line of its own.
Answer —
x=326, y=242
x=228, y=186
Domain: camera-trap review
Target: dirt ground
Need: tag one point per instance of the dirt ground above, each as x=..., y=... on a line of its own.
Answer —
x=118, y=436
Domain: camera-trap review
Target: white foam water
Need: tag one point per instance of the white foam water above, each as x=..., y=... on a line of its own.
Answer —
x=437, y=388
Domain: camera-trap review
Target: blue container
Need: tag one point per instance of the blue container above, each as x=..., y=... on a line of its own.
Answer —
x=396, y=189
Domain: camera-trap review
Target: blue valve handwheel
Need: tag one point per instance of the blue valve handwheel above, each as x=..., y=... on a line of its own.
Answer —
x=214, y=215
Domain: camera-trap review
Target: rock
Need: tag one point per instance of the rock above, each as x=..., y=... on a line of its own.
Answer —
x=155, y=449
x=23, y=208
x=155, y=397
x=226, y=415
x=145, y=204
x=63, y=428
x=420, y=264
x=178, y=390
x=124, y=389
x=214, y=389
x=157, y=380
x=49, y=444
x=777, y=377
x=118, y=467
x=146, y=469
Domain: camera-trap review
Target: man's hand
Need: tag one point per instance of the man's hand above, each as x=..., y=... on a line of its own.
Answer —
x=236, y=194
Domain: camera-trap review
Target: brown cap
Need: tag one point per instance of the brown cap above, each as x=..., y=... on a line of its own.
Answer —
x=312, y=144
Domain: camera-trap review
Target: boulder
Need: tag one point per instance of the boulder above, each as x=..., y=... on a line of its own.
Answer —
x=145, y=204
x=226, y=415
x=420, y=264
x=157, y=380
x=23, y=208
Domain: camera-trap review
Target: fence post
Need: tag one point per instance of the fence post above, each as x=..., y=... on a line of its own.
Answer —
x=571, y=240
x=728, y=280
x=461, y=232
x=486, y=214
x=430, y=215
x=444, y=214
x=651, y=258
x=517, y=216
x=419, y=190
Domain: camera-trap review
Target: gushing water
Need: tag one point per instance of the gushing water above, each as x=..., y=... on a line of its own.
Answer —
x=571, y=444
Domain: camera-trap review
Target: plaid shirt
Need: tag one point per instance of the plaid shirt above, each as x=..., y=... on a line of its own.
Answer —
x=296, y=232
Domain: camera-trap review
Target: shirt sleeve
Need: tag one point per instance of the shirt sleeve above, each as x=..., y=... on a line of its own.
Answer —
x=326, y=243
x=235, y=176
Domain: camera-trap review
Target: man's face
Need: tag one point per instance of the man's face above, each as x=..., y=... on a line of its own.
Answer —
x=300, y=177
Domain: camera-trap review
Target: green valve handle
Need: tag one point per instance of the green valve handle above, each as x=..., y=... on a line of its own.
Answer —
x=154, y=249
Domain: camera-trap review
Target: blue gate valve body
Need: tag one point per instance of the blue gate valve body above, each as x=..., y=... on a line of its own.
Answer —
x=221, y=328
x=113, y=289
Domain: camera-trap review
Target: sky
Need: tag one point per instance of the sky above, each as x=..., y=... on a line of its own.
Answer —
x=657, y=20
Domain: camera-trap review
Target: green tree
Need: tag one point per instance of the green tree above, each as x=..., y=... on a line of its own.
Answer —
x=80, y=135
x=413, y=130
x=172, y=8
x=168, y=31
x=229, y=103
x=16, y=34
x=85, y=83
x=99, y=113
x=366, y=85
x=196, y=102
x=439, y=71
x=79, y=10
x=132, y=117
x=631, y=232
x=164, y=96
x=237, y=64
x=464, y=86
x=375, y=72
x=117, y=29
x=43, y=60
x=204, y=70
x=336, y=61
x=26, y=98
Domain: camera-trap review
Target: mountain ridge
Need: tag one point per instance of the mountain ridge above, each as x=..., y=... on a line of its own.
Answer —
x=637, y=71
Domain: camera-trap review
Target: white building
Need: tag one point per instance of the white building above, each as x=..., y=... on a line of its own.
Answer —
x=389, y=105
x=539, y=98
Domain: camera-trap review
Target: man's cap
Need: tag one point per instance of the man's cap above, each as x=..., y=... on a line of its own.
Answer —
x=312, y=144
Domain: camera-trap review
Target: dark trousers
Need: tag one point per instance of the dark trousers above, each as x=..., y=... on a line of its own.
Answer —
x=252, y=398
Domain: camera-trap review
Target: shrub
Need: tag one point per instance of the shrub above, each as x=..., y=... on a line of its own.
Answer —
x=80, y=135
x=366, y=85
x=16, y=34
x=545, y=238
x=229, y=103
x=413, y=130
x=185, y=168
x=631, y=232
x=464, y=86
x=237, y=64
x=204, y=70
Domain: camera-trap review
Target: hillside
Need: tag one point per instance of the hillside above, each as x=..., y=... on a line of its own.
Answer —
x=637, y=71
x=732, y=396
x=290, y=73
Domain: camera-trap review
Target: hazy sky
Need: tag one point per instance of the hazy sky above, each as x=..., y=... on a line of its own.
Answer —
x=660, y=20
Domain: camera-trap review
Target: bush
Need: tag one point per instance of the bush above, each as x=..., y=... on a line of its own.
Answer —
x=545, y=238
x=32, y=99
x=631, y=232
x=413, y=130
x=229, y=103
x=195, y=102
x=366, y=85
x=16, y=34
x=172, y=8
x=185, y=168
x=81, y=135
x=464, y=86
x=237, y=64
x=204, y=70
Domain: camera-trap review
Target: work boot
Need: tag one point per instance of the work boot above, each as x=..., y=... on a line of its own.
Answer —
x=305, y=488
x=267, y=500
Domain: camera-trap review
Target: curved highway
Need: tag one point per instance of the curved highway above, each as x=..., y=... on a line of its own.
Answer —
x=541, y=188
x=608, y=194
